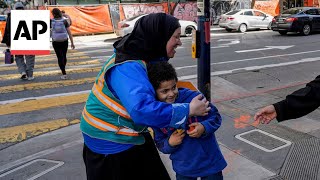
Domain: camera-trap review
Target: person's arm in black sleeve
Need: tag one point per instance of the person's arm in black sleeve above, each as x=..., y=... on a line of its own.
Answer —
x=300, y=102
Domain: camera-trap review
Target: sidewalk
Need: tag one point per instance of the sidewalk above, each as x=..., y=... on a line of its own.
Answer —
x=58, y=155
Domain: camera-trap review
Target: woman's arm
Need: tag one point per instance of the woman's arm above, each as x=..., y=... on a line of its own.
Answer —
x=69, y=33
x=130, y=83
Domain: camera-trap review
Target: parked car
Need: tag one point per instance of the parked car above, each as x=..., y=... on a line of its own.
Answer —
x=302, y=20
x=126, y=26
x=245, y=19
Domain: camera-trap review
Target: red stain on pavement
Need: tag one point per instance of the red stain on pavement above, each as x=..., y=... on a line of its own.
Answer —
x=244, y=121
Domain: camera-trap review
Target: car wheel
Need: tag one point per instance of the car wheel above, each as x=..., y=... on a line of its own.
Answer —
x=283, y=32
x=229, y=30
x=188, y=31
x=306, y=30
x=242, y=28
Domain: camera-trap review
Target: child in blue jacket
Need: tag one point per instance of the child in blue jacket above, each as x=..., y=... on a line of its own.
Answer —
x=194, y=152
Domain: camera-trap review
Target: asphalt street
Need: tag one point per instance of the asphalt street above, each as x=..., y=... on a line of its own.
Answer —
x=40, y=137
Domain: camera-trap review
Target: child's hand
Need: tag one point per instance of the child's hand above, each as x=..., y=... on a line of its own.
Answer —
x=176, y=138
x=195, y=130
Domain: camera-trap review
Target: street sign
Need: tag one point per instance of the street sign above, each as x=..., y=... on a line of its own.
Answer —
x=200, y=7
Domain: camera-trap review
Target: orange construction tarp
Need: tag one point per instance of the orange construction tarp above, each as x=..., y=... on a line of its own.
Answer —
x=2, y=27
x=270, y=7
x=88, y=20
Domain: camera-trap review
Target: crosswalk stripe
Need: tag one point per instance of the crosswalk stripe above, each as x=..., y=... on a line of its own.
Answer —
x=38, y=104
x=70, y=52
x=51, y=58
x=39, y=66
x=54, y=59
x=45, y=85
x=43, y=97
x=51, y=73
x=23, y=132
x=68, y=55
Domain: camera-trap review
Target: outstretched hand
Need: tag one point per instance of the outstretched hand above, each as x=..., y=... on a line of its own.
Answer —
x=199, y=106
x=266, y=115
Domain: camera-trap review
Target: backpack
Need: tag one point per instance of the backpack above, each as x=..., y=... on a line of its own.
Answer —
x=59, y=31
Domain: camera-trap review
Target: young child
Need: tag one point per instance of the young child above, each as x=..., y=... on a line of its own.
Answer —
x=195, y=152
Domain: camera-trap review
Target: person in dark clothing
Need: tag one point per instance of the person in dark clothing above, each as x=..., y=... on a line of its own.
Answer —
x=25, y=63
x=297, y=104
x=60, y=34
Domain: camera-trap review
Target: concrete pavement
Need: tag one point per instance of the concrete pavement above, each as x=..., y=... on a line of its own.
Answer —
x=65, y=146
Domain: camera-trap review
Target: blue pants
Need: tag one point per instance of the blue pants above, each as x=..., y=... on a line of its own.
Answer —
x=216, y=176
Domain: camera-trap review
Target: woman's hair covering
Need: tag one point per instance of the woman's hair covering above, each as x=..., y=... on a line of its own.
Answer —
x=148, y=39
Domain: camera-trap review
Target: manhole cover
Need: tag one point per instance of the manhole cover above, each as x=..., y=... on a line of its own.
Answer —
x=263, y=140
x=31, y=170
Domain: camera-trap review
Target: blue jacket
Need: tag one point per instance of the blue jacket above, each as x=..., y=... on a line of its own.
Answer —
x=130, y=84
x=195, y=157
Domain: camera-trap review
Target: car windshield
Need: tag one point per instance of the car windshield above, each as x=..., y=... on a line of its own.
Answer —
x=2, y=18
x=233, y=12
x=132, y=18
x=292, y=11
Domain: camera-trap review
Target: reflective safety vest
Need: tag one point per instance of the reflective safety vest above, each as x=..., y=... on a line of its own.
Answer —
x=104, y=117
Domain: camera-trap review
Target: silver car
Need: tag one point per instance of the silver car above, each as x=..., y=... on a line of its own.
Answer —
x=126, y=26
x=245, y=19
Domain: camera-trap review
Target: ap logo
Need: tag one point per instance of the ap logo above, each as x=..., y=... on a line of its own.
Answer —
x=30, y=32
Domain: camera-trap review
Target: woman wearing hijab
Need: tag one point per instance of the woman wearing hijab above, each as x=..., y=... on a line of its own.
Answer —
x=122, y=105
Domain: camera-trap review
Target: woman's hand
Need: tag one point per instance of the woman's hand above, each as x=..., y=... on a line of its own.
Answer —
x=72, y=46
x=199, y=106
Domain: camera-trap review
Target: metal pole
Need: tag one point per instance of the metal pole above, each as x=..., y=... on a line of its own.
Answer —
x=204, y=77
x=169, y=12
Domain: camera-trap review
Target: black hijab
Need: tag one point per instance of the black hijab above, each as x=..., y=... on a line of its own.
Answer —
x=148, y=39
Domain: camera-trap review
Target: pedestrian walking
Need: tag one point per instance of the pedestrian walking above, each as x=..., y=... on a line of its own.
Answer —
x=66, y=17
x=25, y=63
x=60, y=33
x=204, y=160
x=122, y=103
x=297, y=104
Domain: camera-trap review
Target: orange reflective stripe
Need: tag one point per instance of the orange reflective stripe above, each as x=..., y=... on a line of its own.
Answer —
x=107, y=101
x=101, y=77
x=91, y=123
x=144, y=62
x=104, y=126
x=99, y=122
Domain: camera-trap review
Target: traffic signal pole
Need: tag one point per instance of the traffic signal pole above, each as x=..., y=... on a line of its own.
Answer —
x=204, y=77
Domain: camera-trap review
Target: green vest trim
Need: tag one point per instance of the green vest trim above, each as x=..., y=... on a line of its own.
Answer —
x=104, y=117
